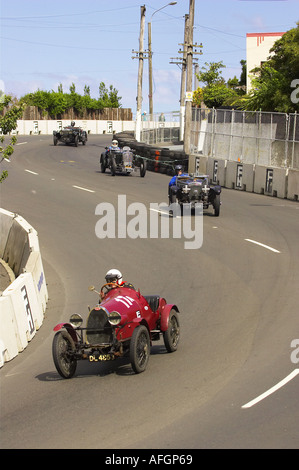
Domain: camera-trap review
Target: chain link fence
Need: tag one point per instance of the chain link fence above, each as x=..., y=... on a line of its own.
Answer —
x=263, y=138
x=160, y=128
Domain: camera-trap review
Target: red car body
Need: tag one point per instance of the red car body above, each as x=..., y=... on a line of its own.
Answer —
x=124, y=322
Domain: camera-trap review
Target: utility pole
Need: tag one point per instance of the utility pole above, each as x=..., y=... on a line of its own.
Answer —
x=183, y=78
x=150, y=71
x=183, y=63
x=140, y=56
x=188, y=107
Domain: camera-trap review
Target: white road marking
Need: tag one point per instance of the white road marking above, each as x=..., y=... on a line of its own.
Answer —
x=163, y=213
x=84, y=189
x=272, y=389
x=261, y=244
x=32, y=172
x=21, y=143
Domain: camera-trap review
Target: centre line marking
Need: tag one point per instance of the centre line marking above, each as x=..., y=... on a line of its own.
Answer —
x=261, y=244
x=272, y=389
x=84, y=189
x=32, y=172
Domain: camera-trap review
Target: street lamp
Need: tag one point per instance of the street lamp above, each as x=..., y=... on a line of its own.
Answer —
x=150, y=64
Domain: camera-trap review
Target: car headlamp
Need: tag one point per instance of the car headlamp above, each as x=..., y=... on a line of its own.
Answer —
x=76, y=320
x=114, y=318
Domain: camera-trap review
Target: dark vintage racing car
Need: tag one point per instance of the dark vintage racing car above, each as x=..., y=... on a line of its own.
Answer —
x=124, y=323
x=122, y=161
x=191, y=189
x=70, y=135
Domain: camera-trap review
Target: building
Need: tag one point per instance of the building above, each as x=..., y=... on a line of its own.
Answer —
x=258, y=46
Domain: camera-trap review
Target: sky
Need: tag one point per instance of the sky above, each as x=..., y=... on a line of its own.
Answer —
x=46, y=43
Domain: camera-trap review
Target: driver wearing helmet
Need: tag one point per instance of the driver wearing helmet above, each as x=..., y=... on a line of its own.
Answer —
x=73, y=124
x=114, y=145
x=115, y=277
x=172, y=187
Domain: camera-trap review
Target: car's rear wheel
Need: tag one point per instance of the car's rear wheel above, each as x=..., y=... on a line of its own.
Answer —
x=140, y=349
x=172, y=334
x=143, y=166
x=62, y=349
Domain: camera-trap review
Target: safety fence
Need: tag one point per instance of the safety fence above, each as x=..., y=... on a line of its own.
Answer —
x=261, y=138
x=160, y=128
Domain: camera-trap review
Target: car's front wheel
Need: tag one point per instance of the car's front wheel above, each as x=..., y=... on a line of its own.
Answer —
x=172, y=334
x=216, y=205
x=112, y=165
x=63, y=348
x=140, y=349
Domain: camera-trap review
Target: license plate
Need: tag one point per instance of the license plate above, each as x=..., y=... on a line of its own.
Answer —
x=101, y=357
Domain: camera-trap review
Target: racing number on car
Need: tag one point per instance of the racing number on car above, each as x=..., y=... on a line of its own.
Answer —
x=126, y=300
x=28, y=310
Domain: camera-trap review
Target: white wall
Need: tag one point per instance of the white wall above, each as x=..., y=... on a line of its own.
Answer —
x=45, y=127
x=258, y=46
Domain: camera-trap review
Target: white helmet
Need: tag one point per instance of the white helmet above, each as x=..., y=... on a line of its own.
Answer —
x=114, y=275
x=114, y=143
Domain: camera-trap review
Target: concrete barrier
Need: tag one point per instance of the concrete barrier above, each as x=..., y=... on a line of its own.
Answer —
x=240, y=176
x=293, y=185
x=23, y=302
x=270, y=181
x=216, y=169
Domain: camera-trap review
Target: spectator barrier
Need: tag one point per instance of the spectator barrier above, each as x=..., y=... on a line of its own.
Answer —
x=250, y=177
x=23, y=302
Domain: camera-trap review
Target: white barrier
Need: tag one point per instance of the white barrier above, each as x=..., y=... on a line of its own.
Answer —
x=23, y=303
x=293, y=185
x=46, y=127
x=271, y=181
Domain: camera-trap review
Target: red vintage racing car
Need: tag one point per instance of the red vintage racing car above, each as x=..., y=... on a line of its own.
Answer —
x=123, y=323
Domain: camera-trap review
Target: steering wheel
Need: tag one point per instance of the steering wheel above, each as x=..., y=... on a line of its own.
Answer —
x=107, y=287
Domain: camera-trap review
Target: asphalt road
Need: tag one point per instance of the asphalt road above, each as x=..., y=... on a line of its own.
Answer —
x=239, y=314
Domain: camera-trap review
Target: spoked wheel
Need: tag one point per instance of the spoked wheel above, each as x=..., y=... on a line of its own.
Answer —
x=62, y=348
x=140, y=349
x=172, y=334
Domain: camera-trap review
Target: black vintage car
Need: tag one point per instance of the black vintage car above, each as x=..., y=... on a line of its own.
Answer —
x=122, y=161
x=70, y=135
x=191, y=189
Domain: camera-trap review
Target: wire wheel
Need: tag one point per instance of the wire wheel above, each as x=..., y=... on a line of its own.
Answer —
x=172, y=334
x=140, y=349
x=63, y=349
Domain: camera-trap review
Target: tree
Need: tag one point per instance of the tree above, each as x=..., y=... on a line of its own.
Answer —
x=216, y=93
x=210, y=73
x=9, y=114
